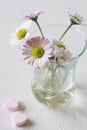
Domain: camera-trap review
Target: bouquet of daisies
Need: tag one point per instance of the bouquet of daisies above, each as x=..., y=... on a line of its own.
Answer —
x=39, y=50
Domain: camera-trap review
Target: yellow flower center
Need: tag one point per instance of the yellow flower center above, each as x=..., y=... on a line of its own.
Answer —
x=37, y=52
x=60, y=45
x=75, y=17
x=21, y=33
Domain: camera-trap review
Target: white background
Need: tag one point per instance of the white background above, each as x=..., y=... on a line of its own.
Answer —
x=16, y=75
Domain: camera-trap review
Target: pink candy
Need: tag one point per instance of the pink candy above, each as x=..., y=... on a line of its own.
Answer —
x=12, y=104
x=19, y=118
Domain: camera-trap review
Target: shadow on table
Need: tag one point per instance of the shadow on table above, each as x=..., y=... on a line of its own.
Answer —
x=77, y=107
x=28, y=124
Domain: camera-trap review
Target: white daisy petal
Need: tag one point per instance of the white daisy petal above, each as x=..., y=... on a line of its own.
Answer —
x=20, y=35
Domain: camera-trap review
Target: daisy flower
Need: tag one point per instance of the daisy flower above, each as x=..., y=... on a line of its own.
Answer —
x=37, y=51
x=75, y=18
x=34, y=16
x=21, y=34
x=58, y=48
x=61, y=52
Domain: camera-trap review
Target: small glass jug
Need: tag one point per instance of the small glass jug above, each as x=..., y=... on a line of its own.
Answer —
x=55, y=82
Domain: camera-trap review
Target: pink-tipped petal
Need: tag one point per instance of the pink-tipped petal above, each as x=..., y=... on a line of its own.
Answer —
x=39, y=12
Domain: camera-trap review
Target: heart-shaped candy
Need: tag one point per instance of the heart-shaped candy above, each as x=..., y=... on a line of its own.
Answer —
x=12, y=104
x=20, y=118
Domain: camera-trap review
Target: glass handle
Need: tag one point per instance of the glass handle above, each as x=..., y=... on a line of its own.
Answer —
x=83, y=48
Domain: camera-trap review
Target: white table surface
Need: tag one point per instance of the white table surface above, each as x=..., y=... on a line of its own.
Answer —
x=16, y=75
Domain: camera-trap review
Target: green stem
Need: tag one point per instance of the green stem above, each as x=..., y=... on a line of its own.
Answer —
x=65, y=31
x=39, y=28
x=52, y=76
